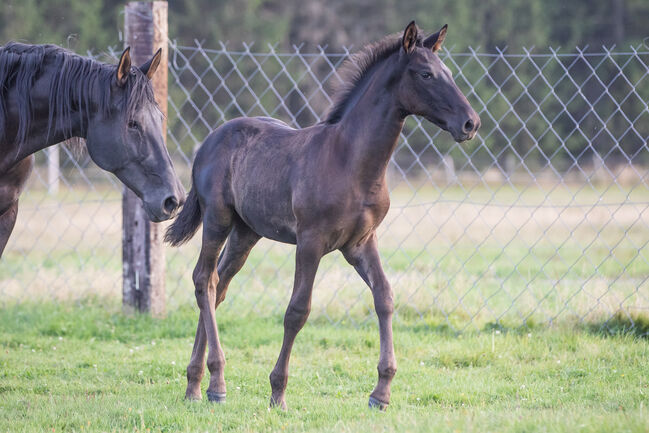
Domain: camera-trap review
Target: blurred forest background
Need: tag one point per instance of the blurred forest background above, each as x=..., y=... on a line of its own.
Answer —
x=96, y=24
x=530, y=118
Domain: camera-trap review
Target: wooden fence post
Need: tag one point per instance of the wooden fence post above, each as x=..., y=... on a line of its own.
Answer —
x=143, y=258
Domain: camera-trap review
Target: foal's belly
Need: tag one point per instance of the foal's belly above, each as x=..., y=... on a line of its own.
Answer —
x=262, y=193
x=276, y=228
x=268, y=213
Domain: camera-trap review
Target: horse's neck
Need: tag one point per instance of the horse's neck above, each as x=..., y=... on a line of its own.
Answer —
x=41, y=133
x=370, y=129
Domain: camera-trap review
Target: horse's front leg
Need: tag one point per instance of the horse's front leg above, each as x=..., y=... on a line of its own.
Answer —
x=366, y=261
x=307, y=257
x=11, y=185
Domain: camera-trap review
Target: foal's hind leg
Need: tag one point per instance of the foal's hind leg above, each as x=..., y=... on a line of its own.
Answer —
x=366, y=261
x=241, y=240
x=11, y=185
x=206, y=279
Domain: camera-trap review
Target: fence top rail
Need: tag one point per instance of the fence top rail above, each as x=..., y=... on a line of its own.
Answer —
x=344, y=51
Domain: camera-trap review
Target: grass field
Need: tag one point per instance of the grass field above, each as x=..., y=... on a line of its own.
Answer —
x=479, y=271
x=85, y=367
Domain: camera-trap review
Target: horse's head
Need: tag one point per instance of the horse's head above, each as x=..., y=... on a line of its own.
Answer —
x=427, y=88
x=126, y=139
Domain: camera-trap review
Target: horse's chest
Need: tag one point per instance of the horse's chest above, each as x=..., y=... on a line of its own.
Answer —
x=372, y=214
x=365, y=214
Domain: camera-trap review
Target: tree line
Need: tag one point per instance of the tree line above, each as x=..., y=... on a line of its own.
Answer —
x=95, y=24
x=522, y=116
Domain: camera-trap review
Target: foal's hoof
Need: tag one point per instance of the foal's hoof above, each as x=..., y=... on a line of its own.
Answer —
x=377, y=404
x=279, y=404
x=193, y=397
x=215, y=397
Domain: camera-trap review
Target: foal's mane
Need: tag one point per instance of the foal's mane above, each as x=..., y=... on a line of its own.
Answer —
x=356, y=68
x=76, y=83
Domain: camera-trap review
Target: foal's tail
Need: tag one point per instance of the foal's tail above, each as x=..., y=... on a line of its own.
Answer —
x=187, y=222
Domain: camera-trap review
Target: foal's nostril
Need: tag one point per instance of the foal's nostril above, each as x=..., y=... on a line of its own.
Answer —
x=170, y=204
x=468, y=126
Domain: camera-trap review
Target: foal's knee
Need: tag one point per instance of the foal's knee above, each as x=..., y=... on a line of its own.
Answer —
x=295, y=317
x=278, y=380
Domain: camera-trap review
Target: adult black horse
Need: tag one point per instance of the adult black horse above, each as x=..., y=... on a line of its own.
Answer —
x=49, y=95
x=322, y=188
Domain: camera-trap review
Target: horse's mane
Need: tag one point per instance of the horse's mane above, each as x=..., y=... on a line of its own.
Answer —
x=356, y=68
x=75, y=84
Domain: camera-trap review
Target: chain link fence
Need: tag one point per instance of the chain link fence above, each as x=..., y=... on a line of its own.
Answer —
x=543, y=217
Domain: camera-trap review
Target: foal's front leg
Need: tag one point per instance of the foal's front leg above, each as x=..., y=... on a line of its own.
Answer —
x=366, y=261
x=307, y=257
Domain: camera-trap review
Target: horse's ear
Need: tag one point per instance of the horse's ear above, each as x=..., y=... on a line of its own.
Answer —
x=435, y=41
x=151, y=66
x=410, y=37
x=124, y=67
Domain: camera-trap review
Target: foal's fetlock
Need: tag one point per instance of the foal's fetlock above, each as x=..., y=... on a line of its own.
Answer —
x=277, y=401
x=278, y=386
x=191, y=394
x=193, y=391
x=216, y=390
x=380, y=397
x=194, y=376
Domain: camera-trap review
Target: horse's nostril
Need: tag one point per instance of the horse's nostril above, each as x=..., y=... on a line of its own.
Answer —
x=468, y=126
x=170, y=204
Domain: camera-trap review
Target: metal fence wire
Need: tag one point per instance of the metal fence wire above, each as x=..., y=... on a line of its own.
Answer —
x=541, y=218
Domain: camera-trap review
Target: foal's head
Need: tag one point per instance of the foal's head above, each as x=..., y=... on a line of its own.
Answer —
x=426, y=86
x=125, y=138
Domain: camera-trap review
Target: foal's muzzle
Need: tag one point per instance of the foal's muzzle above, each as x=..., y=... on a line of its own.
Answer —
x=467, y=127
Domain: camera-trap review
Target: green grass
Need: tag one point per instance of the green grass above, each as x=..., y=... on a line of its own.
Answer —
x=87, y=367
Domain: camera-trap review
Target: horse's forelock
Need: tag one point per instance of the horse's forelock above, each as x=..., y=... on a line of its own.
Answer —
x=139, y=94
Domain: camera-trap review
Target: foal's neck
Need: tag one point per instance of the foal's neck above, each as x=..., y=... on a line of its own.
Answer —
x=370, y=128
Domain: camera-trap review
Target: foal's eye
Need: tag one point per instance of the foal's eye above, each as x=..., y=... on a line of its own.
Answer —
x=426, y=75
x=132, y=124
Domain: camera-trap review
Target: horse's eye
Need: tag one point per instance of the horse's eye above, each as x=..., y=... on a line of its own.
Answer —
x=132, y=124
x=426, y=75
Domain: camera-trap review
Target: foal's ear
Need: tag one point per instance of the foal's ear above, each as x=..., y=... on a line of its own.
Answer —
x=435, y=41
x=124, y=67
x=410, y=37
x=151, y=66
